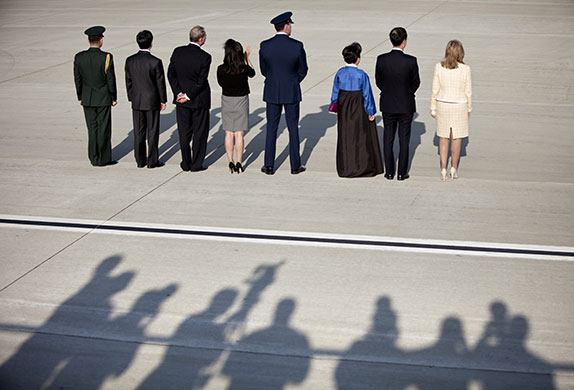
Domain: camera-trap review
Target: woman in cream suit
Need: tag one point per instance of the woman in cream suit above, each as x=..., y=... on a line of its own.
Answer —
x=451, y=105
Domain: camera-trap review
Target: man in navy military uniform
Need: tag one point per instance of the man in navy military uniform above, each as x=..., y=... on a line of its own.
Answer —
x=95, y=81
x=283, y=63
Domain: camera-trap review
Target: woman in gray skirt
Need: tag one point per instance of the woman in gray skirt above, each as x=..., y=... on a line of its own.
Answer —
x=232, y=77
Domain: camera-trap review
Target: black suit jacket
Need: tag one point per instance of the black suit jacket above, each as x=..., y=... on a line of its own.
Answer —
x=145, y=81
x=187, y=73
x=283, y=63
x=397, y=76
x=95, y=86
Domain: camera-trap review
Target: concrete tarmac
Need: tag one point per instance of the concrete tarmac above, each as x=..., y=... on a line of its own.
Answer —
x=126, y=278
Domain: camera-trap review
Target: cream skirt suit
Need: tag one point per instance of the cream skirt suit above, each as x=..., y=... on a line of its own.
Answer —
x=451, y=100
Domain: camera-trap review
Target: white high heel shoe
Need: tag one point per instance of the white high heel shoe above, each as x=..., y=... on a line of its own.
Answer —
x=443, y=174
x=453, y=174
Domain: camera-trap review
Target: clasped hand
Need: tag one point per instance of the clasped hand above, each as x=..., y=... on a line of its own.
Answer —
x=181, y=98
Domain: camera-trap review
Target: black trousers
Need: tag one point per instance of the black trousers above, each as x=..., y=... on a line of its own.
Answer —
x=99, y=123
x=392, y=122
x=192, y=125
x=146, y=125
x=292, y=119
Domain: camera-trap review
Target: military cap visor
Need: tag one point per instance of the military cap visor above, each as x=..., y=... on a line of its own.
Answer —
x=95, y=31
x=283, y=18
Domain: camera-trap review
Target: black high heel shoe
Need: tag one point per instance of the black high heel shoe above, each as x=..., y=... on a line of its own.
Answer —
x=232, y=167
x=239, y=168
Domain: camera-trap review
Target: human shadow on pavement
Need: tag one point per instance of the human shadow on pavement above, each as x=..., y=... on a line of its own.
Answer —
x=193, y=348
x=256, y=146
x=126, y=146
x=499, y=360
x=263, y=276
x=216, y=144
x=86, y=314
x=417, y=131
x=170, y=147
x=463, y=146
x=90, y=370
x=201, y=340
x=312, y=128
x=271, y=358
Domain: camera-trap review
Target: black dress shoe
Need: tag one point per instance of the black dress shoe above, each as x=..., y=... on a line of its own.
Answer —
x=388, y=176
x=202, y=168
x=402, y=177
x=267, y=170
x=239, y=168
x=232, y=168
x=298, y=170
x=141, y=165
x=113, y=162
x=184, y=168
x=158, y=164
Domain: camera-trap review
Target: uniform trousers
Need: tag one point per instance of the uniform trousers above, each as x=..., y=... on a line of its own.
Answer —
x=392, y=122
x=146, y=125
x=292, y=119
x=192, y=125
x=99, y=123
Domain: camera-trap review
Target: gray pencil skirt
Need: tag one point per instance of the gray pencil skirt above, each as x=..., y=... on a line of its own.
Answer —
x=235, y=112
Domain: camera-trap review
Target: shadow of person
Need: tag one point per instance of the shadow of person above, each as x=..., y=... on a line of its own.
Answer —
x=380, y=343
x=263, y=277
x=256, y=146
x=494, y=332
x=313, y=127
x=170, y=147
x=91, y=367
x=216, y=144
x=121, y=150
x=450, y=347
x=254, y=363
x=85, y=313
x=193, y=348
x=463, y=146
x=417, y=131
x=503, y=345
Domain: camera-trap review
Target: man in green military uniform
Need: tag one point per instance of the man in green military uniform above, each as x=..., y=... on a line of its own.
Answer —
x=95, y=80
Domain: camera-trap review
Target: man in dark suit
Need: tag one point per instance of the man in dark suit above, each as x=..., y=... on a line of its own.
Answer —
x=283, y=63
x=145, y=84
x=397, y=76
x=187, y=75
x=95, y=81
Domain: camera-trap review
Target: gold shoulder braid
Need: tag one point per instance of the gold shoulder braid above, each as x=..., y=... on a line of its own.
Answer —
x=107, y=63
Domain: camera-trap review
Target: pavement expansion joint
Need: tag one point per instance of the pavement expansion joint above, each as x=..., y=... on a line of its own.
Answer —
x=555, y=253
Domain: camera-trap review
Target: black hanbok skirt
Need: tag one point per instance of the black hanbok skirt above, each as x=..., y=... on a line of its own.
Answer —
x=358, y=151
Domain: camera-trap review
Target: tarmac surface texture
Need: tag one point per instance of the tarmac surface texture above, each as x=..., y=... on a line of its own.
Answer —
x=126, y=278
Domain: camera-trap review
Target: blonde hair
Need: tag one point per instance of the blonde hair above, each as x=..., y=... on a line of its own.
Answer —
x=453, y=55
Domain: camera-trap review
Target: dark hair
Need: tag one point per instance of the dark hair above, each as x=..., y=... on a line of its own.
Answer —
x=398, y=35
x=94, y=38
x=144, y=39
x=281, y=26
x=233, y=59
x=352, y=52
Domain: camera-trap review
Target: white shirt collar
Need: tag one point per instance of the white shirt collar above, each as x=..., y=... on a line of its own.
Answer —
x=352, y=65
x=282, y=33
x=145, y=50
x=398, y=48
x=196, y=44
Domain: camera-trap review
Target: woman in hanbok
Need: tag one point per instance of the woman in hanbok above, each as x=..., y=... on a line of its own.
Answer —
x=358, y=151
